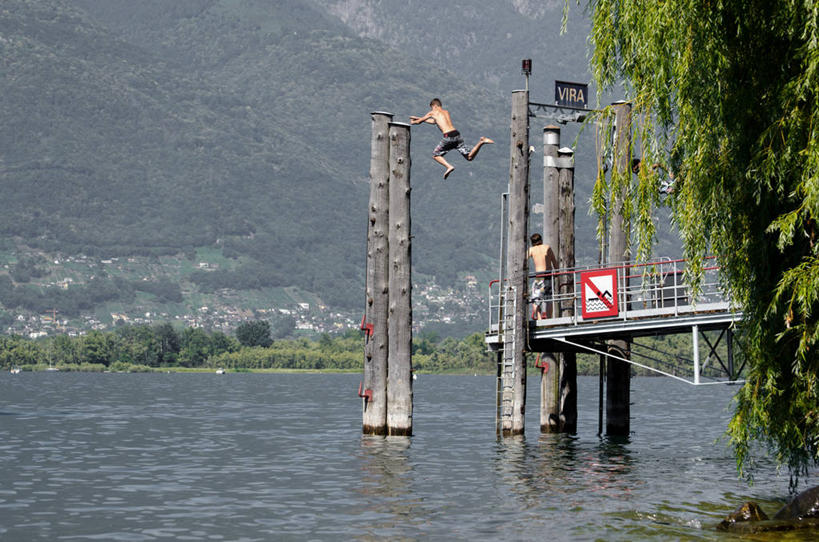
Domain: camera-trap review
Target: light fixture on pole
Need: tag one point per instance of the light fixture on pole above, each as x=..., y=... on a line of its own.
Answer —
x=526, y=68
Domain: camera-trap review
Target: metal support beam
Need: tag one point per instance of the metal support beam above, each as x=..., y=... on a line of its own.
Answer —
x=601, y=383
x=695, y=332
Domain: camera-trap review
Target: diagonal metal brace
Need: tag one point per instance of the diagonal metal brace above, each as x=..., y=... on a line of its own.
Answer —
x=713, y=350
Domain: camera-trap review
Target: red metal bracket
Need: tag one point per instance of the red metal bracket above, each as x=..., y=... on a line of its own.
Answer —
x=544, y=366
x=368, y=393
x=366, y=326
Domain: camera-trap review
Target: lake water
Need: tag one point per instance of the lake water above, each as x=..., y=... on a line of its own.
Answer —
x=246, y=457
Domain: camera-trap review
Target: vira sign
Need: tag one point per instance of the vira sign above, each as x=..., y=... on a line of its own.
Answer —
x=571, y=94
x=599, y=293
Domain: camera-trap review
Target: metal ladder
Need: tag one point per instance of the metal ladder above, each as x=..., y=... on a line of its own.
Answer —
x=506, y=374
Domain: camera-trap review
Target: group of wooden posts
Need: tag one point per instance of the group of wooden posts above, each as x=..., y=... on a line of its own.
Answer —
x=558, y=387
x=386, y=391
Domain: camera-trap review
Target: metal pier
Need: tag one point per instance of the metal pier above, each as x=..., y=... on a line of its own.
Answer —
x=629, y=301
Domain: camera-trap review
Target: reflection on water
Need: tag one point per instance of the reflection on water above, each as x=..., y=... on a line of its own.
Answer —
x=560, y=474
x=385, y=486
x=385, y=463
x=264, y=457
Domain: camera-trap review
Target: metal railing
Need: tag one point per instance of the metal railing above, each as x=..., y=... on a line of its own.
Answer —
x=645, y=289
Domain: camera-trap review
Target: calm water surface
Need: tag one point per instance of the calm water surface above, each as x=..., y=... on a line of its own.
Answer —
x=244, y=457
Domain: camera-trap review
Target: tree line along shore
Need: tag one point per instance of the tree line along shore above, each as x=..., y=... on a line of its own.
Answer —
x=162, y=347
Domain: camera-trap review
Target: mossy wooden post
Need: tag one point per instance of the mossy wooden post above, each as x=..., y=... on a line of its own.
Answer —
x=399, y=368
x=568, y=360
x=550, y=376
x=515, y=343
x=618, y=372
x=376, y=307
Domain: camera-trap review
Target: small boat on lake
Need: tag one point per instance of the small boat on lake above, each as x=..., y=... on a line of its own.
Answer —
x=220, y=371
x=15, y=370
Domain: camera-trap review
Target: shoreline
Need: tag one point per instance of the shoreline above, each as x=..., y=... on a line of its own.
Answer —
x=133, y=369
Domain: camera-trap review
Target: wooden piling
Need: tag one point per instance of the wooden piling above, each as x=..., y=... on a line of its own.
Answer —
x=550, y=374
x=376, y=346
x=516, y=291
x=566, y=260
x=618, y=372
x=399, y=368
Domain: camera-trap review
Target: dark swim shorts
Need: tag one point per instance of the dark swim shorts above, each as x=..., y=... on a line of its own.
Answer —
x=452, y=140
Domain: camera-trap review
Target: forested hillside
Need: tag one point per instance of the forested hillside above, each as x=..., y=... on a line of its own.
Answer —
x=245, y=126
x=158, y=128
x=304, y=71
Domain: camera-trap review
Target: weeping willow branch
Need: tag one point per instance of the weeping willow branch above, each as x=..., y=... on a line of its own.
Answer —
x=724, y=97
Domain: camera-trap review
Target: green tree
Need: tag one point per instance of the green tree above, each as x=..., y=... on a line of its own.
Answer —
x=66, y=350
x=139, y=345
x=424, y=342
x=725, y=97
x=254, y=333
x=99, y=347
x=168, y=343
x=221, y=343
x=18, y=351
x=196, y=347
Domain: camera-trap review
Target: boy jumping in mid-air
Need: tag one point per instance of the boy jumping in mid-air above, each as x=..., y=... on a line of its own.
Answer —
x=452, y=138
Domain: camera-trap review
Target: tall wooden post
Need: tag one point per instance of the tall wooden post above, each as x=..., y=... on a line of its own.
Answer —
x=376, y=347
x=618, y=373
x=515, y=345
x=602, y=258
x=568, y=360
x=399, y=368
x=550, y=377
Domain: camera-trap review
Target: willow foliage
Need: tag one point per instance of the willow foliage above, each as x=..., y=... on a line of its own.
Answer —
x=724, y=95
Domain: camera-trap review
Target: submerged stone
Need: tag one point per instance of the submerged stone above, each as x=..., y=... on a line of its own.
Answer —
x=747, y=511
x=805, y=505
x=801, y=513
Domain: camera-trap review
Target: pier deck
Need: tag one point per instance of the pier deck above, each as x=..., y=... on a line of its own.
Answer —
x=622, y=302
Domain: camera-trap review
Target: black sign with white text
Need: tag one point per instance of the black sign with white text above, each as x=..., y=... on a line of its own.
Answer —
x=571, y=94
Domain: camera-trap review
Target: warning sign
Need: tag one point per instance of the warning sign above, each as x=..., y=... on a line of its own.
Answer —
x=599, y=293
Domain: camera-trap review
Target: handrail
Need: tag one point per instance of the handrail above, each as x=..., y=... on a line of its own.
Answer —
x=663, y=290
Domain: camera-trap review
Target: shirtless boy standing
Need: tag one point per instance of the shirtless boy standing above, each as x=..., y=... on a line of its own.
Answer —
x=452, y=138
x=544, y=259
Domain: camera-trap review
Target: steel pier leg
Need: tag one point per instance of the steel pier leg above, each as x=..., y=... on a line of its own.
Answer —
x=601, y=384
x=695, y=332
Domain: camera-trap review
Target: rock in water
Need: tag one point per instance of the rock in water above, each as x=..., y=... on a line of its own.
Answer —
x=747, y=511
x=804, y=505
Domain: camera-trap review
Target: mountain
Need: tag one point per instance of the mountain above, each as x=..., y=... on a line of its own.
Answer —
x=304, y=70
x=482, y=42
x=154, y=128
